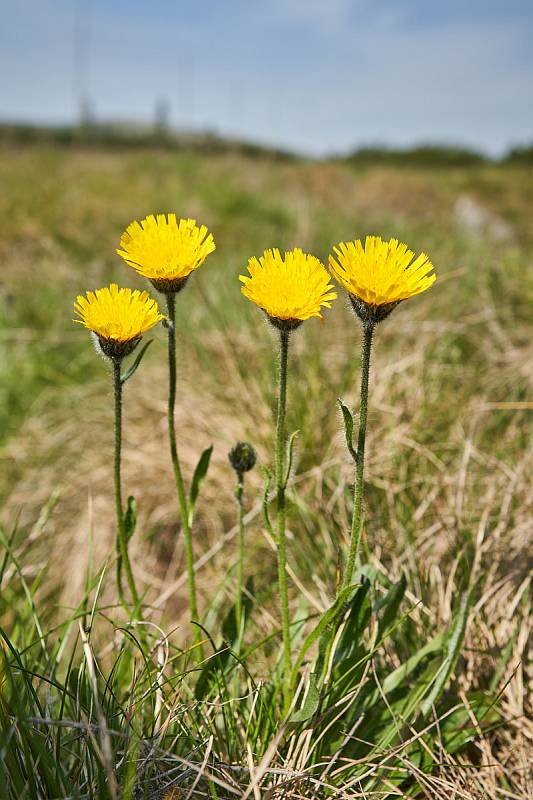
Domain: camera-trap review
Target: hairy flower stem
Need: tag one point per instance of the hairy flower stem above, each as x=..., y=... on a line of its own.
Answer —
x=180, y=486
x=239, y=494
x=281, y=445
x=123, y=562
x=357, y=518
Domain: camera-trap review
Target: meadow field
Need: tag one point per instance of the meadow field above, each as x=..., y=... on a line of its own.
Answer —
x=98, y=710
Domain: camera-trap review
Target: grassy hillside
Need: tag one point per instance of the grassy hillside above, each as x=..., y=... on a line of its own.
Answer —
x=449, y=457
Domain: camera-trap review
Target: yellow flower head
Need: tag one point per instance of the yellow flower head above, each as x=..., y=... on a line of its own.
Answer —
x=118, y=317
x=166, y=250
x=380, y=275
x=290, y=289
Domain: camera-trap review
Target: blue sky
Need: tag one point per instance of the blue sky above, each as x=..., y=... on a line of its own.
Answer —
x=317, y=76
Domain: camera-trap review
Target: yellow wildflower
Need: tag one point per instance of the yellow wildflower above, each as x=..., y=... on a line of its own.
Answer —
x=289, y=289
x=380, y=274
x=166, y=250
x=118, y=317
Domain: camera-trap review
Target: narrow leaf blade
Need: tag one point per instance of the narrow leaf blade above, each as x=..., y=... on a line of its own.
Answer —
x=198, y=478
x=290, y=450
x=267, y=475
x=130, y=517
x=140, y=355
x=348, y=428
x=454, y=644
x=311, y=702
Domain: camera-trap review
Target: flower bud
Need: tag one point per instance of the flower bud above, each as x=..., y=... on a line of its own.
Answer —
x=242, y=457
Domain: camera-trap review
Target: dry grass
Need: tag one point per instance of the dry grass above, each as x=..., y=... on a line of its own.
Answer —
x=449, y=468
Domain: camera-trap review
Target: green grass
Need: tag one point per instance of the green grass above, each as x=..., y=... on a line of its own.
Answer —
x=422, y=693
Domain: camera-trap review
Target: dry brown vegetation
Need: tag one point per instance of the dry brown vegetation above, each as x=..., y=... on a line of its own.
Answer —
x=450, y=460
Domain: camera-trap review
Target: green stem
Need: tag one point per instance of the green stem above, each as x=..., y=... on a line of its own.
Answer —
x=357, y=518
x=180, y=486
x=123, y=561
x=240, y=573
x=280, y=485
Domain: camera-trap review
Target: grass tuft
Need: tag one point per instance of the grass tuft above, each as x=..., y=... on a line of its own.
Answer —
x=414, y=682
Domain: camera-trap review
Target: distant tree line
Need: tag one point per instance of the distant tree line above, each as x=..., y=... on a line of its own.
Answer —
x=134, y=135
x=435, y=155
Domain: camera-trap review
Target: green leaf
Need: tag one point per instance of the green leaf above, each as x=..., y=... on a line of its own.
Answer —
x=348, y=429
x=212, y=672
x=290, y=450
x=311, y=703
x=388, y=606
x=356, y=621
x=130, y=517
x=140, y=355
x=198, y=478
x=398, y=675
x=325, y=631
x=453, y=649
x=327, y=618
